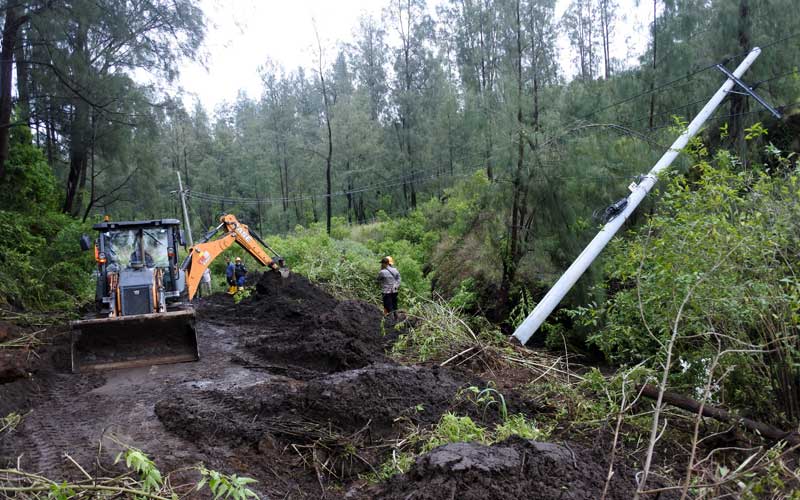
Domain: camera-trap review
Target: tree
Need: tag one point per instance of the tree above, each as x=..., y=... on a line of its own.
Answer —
x=369, y=58
x=606, y=11
x=580, y=23
x=327, y=117
x=412, y=59
x=91, y=48
x=475, y=32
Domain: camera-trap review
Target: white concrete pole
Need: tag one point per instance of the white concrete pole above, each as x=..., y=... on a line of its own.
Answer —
x=543, y=309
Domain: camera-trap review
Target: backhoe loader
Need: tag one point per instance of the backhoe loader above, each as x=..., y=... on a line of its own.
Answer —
x=143, y=298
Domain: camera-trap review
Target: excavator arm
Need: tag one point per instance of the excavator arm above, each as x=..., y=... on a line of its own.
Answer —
x=203, y=254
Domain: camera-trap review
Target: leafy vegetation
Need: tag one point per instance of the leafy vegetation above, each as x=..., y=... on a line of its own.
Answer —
x=452, y=428
x=715, y=261
x=149, y=483
x=43, y=266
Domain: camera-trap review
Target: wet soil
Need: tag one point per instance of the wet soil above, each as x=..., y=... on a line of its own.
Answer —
x=513, y=469
x=294, y=388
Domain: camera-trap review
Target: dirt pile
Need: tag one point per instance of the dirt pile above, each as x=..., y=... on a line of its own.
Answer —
x=515, y=468
x=318, y=403
x=298, y=329
x=344, y=403
x=13, y=364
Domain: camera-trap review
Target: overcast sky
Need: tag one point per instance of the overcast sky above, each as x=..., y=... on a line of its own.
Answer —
x=242, y=34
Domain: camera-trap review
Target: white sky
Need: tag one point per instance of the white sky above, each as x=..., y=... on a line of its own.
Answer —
x=242, y=34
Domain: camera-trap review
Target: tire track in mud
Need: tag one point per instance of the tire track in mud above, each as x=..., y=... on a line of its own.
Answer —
x=77, y=413
x=287, y=379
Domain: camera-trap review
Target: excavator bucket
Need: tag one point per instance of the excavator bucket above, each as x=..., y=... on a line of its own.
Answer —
x=136, y=340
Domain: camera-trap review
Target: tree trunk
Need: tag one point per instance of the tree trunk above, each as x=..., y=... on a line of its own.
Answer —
x=513, y=256
x=739, y=101
x=285, y=181
x=653, y=79
x=349, y=194
x=78, y=157
x=605, y=19
x=329, y=157
x=23, y=81
x=10, y=30
x=691, y=405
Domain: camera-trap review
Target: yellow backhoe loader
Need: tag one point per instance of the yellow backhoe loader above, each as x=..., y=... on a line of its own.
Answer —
x=144, y=315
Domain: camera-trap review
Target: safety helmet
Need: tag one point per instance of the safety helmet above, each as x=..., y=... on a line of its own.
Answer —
x=238, y=259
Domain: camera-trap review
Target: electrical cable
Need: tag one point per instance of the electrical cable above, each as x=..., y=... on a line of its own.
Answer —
x=715, y=117
x=408, y=176
x=648, y=92
x=268, y=201
x=411, y=176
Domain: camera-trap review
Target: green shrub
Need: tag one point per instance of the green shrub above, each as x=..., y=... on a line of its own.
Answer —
x=43, y=267
x=730, y=238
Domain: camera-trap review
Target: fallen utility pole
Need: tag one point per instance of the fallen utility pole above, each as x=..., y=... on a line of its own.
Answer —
x=626, y=207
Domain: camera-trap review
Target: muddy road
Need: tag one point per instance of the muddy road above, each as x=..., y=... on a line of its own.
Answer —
x=293, y=388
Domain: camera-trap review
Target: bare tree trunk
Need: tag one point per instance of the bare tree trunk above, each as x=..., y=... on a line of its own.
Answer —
x=694, y=406
x=10, y=29
x=512, y=258
x=349, y=194
x=605, y=18
x=92, y=198
x=738, y=101
x=285, y=180
x=186, y=166
x=76, y=178
x=23, y=81
x=329, y=156
x=48, y=130
x=653, y=79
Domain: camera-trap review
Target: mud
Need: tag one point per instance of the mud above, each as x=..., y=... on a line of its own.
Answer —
x=513, y=469
x=294, y=388
x=13, y=364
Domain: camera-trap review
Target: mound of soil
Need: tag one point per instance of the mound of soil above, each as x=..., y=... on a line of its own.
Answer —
x=515, y=468
x=13, y=364
x=344, y=403
x=302, y=331
x=291, y=297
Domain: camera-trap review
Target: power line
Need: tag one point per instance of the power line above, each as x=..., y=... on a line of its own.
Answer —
x=410, y=176
x=677, y=108
x=658, y=88
x=407, y=176
x=780, y=108
x=268, y=201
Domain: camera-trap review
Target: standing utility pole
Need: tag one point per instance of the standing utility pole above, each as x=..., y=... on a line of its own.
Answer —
x=185, y=212
x=543, y=309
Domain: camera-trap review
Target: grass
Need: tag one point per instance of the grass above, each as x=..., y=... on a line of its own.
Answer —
x=144, y=481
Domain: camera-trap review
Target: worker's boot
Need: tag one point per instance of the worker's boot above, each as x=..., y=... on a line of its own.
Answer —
x=231, y=289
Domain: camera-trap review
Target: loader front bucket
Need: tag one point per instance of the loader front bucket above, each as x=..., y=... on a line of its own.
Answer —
x=137, y=340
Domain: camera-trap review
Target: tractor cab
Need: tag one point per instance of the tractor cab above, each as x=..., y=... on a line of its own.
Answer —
x=140, y=320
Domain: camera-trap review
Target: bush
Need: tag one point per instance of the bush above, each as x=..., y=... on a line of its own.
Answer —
x=726, y=245
x=347, y=267
x=43, y=266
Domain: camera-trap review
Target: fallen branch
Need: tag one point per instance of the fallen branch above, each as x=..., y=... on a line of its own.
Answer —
x=694, y=406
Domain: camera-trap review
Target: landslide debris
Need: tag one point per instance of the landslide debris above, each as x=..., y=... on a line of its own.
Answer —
x=513, y=469
x=329, y=404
